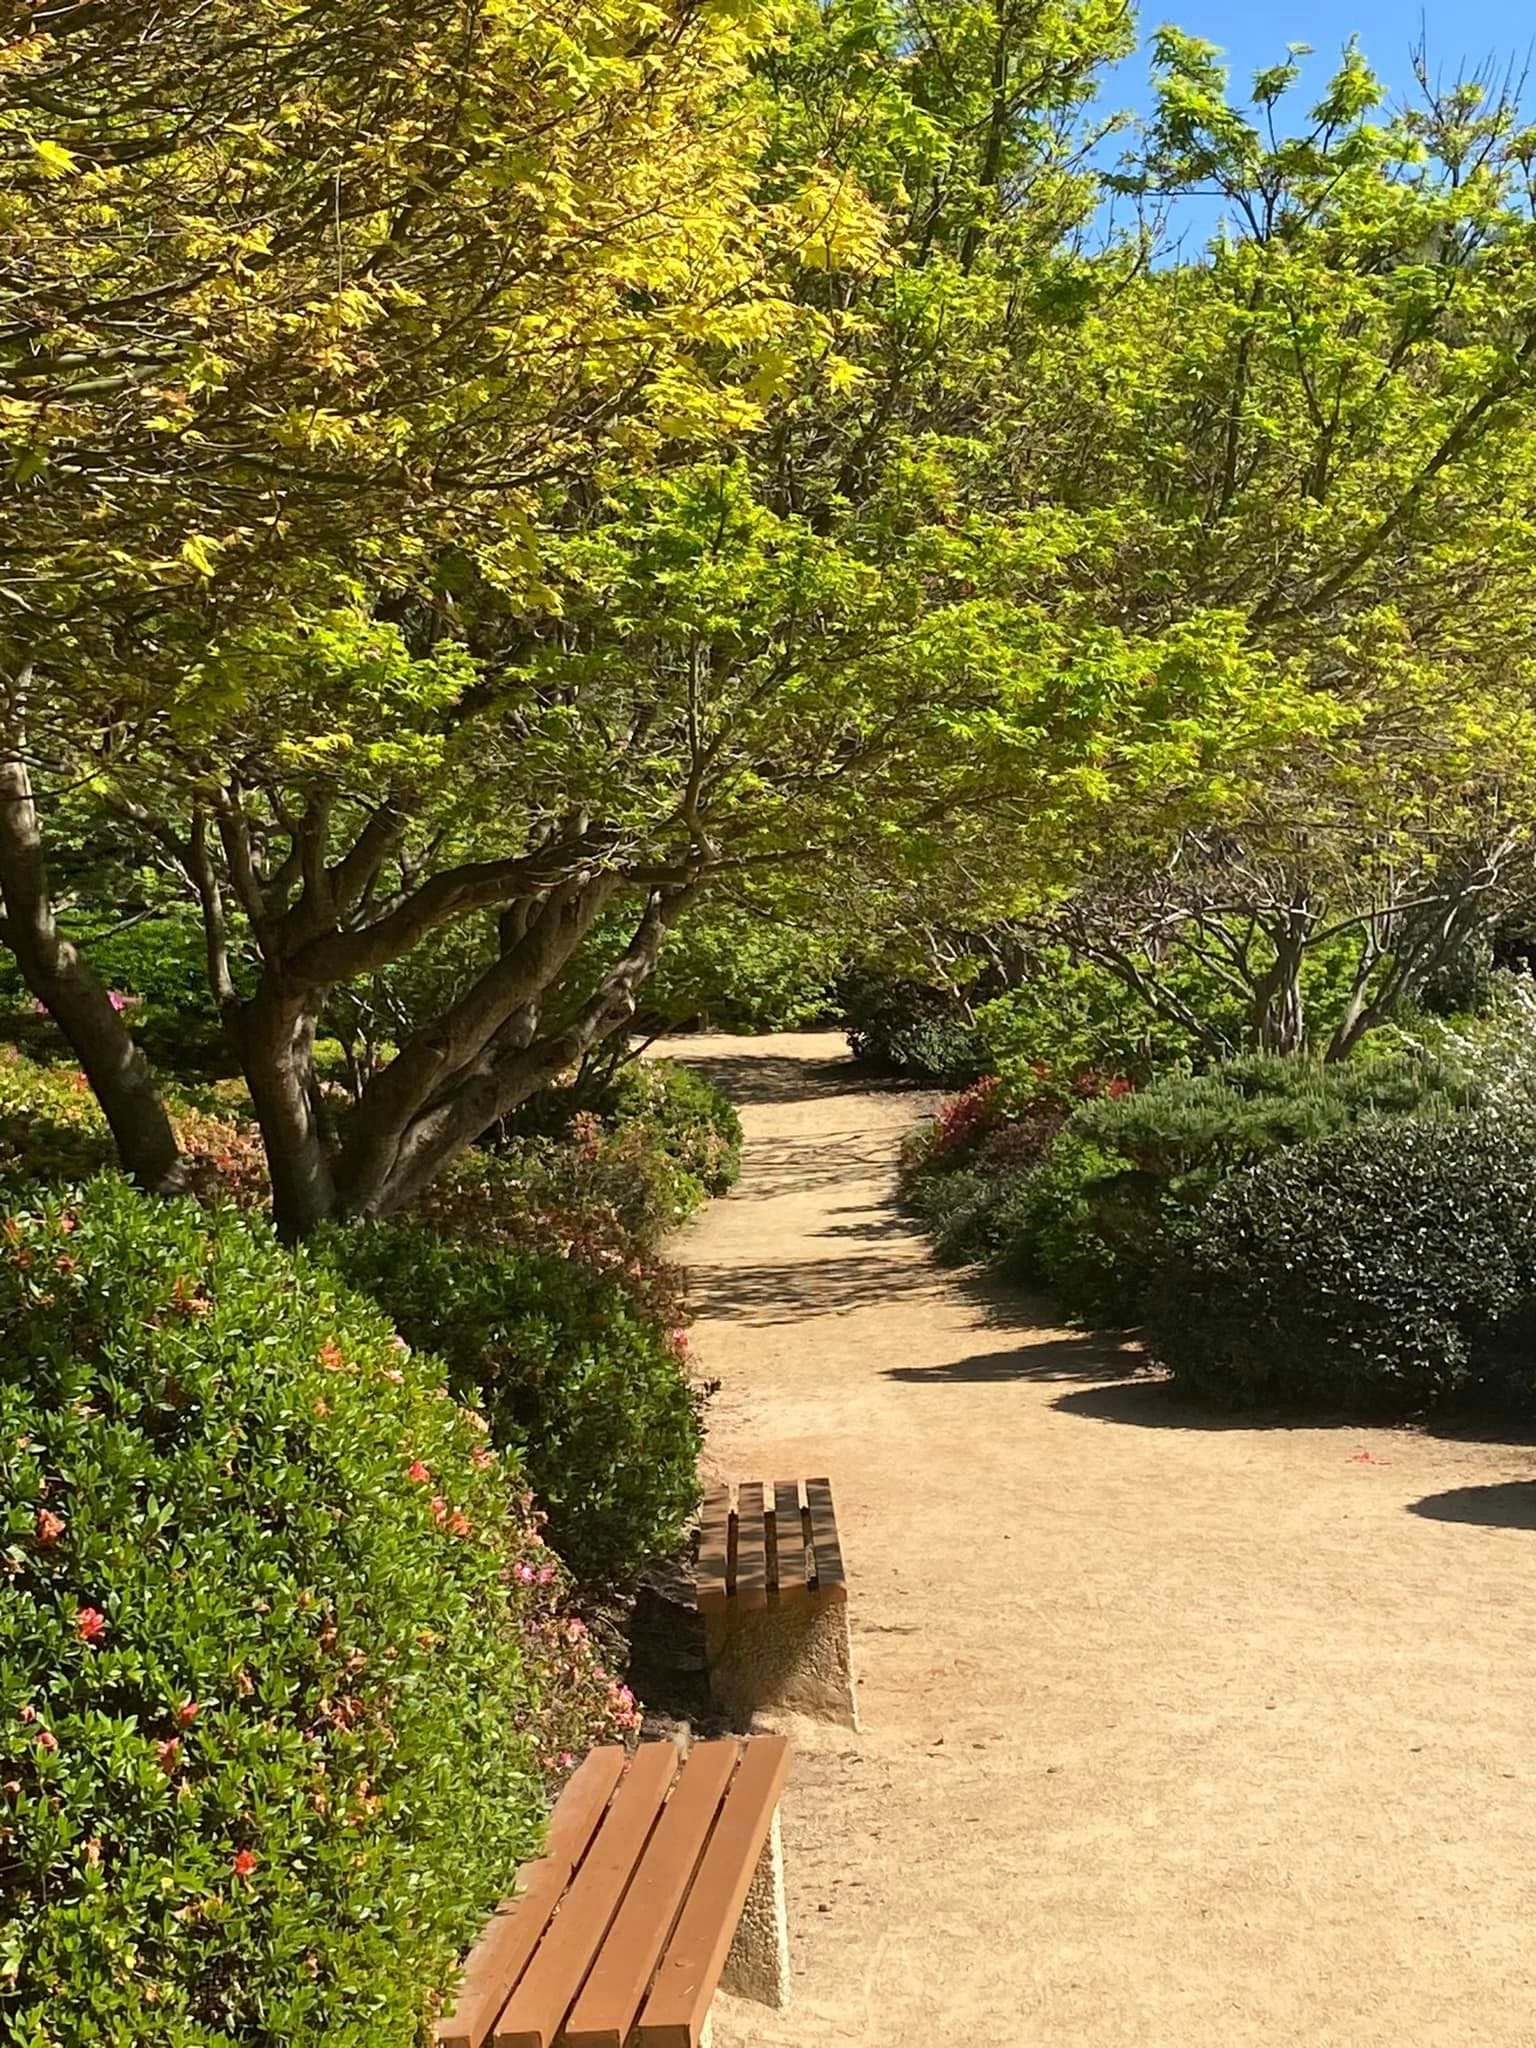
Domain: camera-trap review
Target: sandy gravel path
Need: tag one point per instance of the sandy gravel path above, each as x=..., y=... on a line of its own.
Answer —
x=1175, y=1733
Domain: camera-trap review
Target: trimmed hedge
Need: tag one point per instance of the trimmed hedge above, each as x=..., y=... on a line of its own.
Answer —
x=1390, y=1269
x=278, y=1649
x=574, y=1377
x=1082, y=1212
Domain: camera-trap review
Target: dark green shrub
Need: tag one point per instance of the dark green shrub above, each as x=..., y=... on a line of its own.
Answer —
x=694, y=1121
x=1386, y=1270
x=914, y=1033
x=279, y=1667
x=573, y=1375
x=1139, y=1161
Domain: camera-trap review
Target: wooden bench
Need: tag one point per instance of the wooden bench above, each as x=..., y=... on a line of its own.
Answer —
x=662, y=1878
x=774, y=1598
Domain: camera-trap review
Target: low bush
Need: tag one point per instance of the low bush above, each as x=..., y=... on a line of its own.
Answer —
x=1072, y=1188
x=646, y=1145
x=1389, y=1269
x=909, y=1031
x=281, y=1662
x=574, y=1377
x=691, y=1120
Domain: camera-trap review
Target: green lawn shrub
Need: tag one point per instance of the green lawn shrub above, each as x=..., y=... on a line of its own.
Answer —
x=1388, y=1269
x=283, y=1668
x=1078, y=1205
x=575, y=1377
x=909, y=1031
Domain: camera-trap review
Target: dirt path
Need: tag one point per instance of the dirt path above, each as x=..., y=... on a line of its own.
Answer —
x=1174, y=1733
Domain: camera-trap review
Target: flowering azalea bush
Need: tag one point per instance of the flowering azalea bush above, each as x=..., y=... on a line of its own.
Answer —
x=590, y=1391
x=285, y=1664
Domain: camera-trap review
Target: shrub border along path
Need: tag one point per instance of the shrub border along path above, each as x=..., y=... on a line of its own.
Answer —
x=1176, y=1730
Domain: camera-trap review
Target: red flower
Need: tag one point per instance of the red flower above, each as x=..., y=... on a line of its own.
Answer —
x=90, y=1624
x=46, y=1739
x=187, y=1713
x=48, y=1528
x=167, y=1753
x=243, y=1864
x=458, y=1524
x=421, y=1474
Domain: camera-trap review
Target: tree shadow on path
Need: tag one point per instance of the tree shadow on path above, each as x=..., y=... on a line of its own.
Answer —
x=1509, y=1505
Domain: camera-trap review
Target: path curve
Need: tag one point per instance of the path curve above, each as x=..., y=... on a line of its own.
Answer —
x=1176, y=1734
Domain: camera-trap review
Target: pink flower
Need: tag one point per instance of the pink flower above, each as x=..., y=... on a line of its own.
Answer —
x=565, y=1760
x=575, y=1628
x=47, y=1740
x=546, y=1574
x=187, y=1713
x=439, y=1508
x=458, y=1523
x=47, y=1528
x=167, y=1753
x=90, y=1624
x=525, y=1574
x=418, y=1472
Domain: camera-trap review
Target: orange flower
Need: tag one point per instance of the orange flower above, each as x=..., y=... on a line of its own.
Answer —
x=90, y=1624
x=243, y=1864
x=48, y=1528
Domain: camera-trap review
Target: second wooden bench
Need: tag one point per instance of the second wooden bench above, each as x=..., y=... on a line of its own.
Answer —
x=774, y=1598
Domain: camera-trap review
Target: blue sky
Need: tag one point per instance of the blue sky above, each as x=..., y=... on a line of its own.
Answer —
x=1461, y=36
x=1255, y=32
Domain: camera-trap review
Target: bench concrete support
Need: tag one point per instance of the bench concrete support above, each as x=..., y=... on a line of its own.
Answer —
x=793, y=1654
x=758, y=1964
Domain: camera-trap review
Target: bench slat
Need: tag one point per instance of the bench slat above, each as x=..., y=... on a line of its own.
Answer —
x=829, y=1552
x=499, y=1957
x=606, y=2009
x=751, y=1546
x=551, y=1981
x=690, y=1970
x=792, y=1544
x=714, y=1547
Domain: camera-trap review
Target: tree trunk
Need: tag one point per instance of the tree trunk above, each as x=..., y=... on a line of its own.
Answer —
x=119, y=1074
x=276, y=1032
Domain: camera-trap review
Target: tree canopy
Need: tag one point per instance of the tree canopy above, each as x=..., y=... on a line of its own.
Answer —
x=484, y=482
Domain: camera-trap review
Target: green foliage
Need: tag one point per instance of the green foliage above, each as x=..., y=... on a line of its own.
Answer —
x=1083, y=1213
x=688, y=1117
x=574, y=1377
x=1388, y=1269
x=1068, y=1013
x=744, y=970
x=912, y=1032
x=277, y=1650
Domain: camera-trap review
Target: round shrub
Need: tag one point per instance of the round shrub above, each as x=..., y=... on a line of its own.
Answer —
x=280, y=1671
x=910, y=1031
x=1387, y=1270
x=574, y=1377
x=691, y=1119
